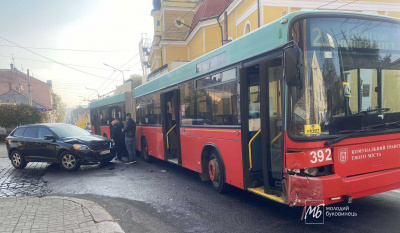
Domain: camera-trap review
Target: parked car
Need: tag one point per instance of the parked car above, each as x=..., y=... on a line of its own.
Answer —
x=65, y=144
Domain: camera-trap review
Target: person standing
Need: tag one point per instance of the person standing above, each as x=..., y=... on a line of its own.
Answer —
x=118, y=137
x=130, y=132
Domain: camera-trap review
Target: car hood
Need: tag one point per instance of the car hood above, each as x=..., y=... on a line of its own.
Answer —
x=86, y=139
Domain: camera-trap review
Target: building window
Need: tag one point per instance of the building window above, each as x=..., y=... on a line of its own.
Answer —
x=247, y=28
x=158, y=22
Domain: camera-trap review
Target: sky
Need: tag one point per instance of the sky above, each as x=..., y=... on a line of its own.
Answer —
x=82, y=35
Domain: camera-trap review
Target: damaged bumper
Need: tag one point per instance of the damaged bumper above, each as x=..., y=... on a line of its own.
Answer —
x=334, y=188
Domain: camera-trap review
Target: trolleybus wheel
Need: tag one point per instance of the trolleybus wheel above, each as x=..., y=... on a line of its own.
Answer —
x=216, y=172
x=145, y=151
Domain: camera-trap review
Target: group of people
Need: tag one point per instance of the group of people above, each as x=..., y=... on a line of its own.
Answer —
x=124, y=138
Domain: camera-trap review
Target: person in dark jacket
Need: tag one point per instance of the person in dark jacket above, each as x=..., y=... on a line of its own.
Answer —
x=118, y=137
x=130, y=133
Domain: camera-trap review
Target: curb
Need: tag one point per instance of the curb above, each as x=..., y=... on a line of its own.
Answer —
x=104, y=222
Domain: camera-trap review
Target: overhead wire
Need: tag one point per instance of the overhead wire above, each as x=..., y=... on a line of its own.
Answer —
x=182, y=33
x=59, y=63
x=325, y=4
x=91, y=67
x=345, y=4
x=71, y=50
x=112, y=75
x=134, y=65
x=197, y=4
x=117, y=75
x=72, y=92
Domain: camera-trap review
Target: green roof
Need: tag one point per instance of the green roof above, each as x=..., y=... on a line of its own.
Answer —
x=259, y=41
x=108, y=100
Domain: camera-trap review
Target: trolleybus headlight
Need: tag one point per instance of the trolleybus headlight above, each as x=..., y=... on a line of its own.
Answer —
x=311, y=171
x=294, y=171
x=81, y=147
x=318, y=171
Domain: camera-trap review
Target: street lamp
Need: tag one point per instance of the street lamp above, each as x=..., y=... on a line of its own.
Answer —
x=123, y=77
x=98, y=96
x=85, y=99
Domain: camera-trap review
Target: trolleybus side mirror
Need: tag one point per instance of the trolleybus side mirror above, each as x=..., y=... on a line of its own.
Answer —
x=293, y=66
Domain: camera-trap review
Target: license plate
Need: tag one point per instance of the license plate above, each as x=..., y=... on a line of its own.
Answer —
x=104, y=152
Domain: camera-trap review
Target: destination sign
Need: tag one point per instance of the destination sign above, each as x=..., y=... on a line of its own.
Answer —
x=353, y=33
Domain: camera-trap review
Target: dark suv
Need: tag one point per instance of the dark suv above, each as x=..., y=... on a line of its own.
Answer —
x=66, y=144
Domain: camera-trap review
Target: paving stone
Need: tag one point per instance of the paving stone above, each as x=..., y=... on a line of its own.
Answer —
x=24, y=182
x=24, y=209
x=54, y=215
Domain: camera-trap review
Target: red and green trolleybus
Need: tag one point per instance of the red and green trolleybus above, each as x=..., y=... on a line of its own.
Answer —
x=305, y=108
x=104, y=111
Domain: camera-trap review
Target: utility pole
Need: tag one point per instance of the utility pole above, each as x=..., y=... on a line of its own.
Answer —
x=123, y=77
x=98, y=95
x=29, y=87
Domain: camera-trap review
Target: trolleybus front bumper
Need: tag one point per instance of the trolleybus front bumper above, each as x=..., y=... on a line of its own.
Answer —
x=334, y=188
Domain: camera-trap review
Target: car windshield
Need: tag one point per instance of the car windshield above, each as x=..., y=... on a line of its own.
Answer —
x=351, y=76
x=66, y=131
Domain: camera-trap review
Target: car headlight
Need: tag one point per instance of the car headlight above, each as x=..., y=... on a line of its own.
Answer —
x=81, y=147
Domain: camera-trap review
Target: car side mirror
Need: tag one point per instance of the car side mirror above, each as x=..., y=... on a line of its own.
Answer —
x=50, y=138
x=293, y=66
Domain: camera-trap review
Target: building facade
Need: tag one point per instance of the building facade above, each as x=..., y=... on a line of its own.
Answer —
x=187, y=29
x=13, y=81
x=80, y=114
x=15, y=88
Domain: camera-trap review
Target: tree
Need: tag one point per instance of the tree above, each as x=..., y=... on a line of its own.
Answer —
x=136, y=80
x=60, y=107
x=20, y=114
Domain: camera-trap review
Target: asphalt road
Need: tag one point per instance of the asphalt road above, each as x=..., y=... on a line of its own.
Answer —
x=162, y=197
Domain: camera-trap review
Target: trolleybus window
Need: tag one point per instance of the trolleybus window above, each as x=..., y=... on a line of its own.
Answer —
x=149, y=109
x=215, y=104
x=351, y=76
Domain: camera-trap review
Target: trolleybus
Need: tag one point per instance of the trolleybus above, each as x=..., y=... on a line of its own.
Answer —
x=305, y=108
x=104, y=111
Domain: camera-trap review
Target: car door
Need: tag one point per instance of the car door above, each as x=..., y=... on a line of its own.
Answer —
x=29, y=143
x=46, y=148
x=17, y=139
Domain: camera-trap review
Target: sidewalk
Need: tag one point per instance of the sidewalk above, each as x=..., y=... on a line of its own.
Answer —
x=54, y=214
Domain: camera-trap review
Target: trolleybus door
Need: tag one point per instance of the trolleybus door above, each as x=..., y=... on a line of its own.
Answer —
x=170, y=126
x=262, y=124
x=271, y=122
x=96, y=121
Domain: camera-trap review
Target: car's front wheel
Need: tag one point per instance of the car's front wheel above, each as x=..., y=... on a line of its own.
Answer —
x=68, y=161
x=18, y=160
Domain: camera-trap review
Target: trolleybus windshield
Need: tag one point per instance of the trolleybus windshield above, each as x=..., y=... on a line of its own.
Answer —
x=351, y=76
